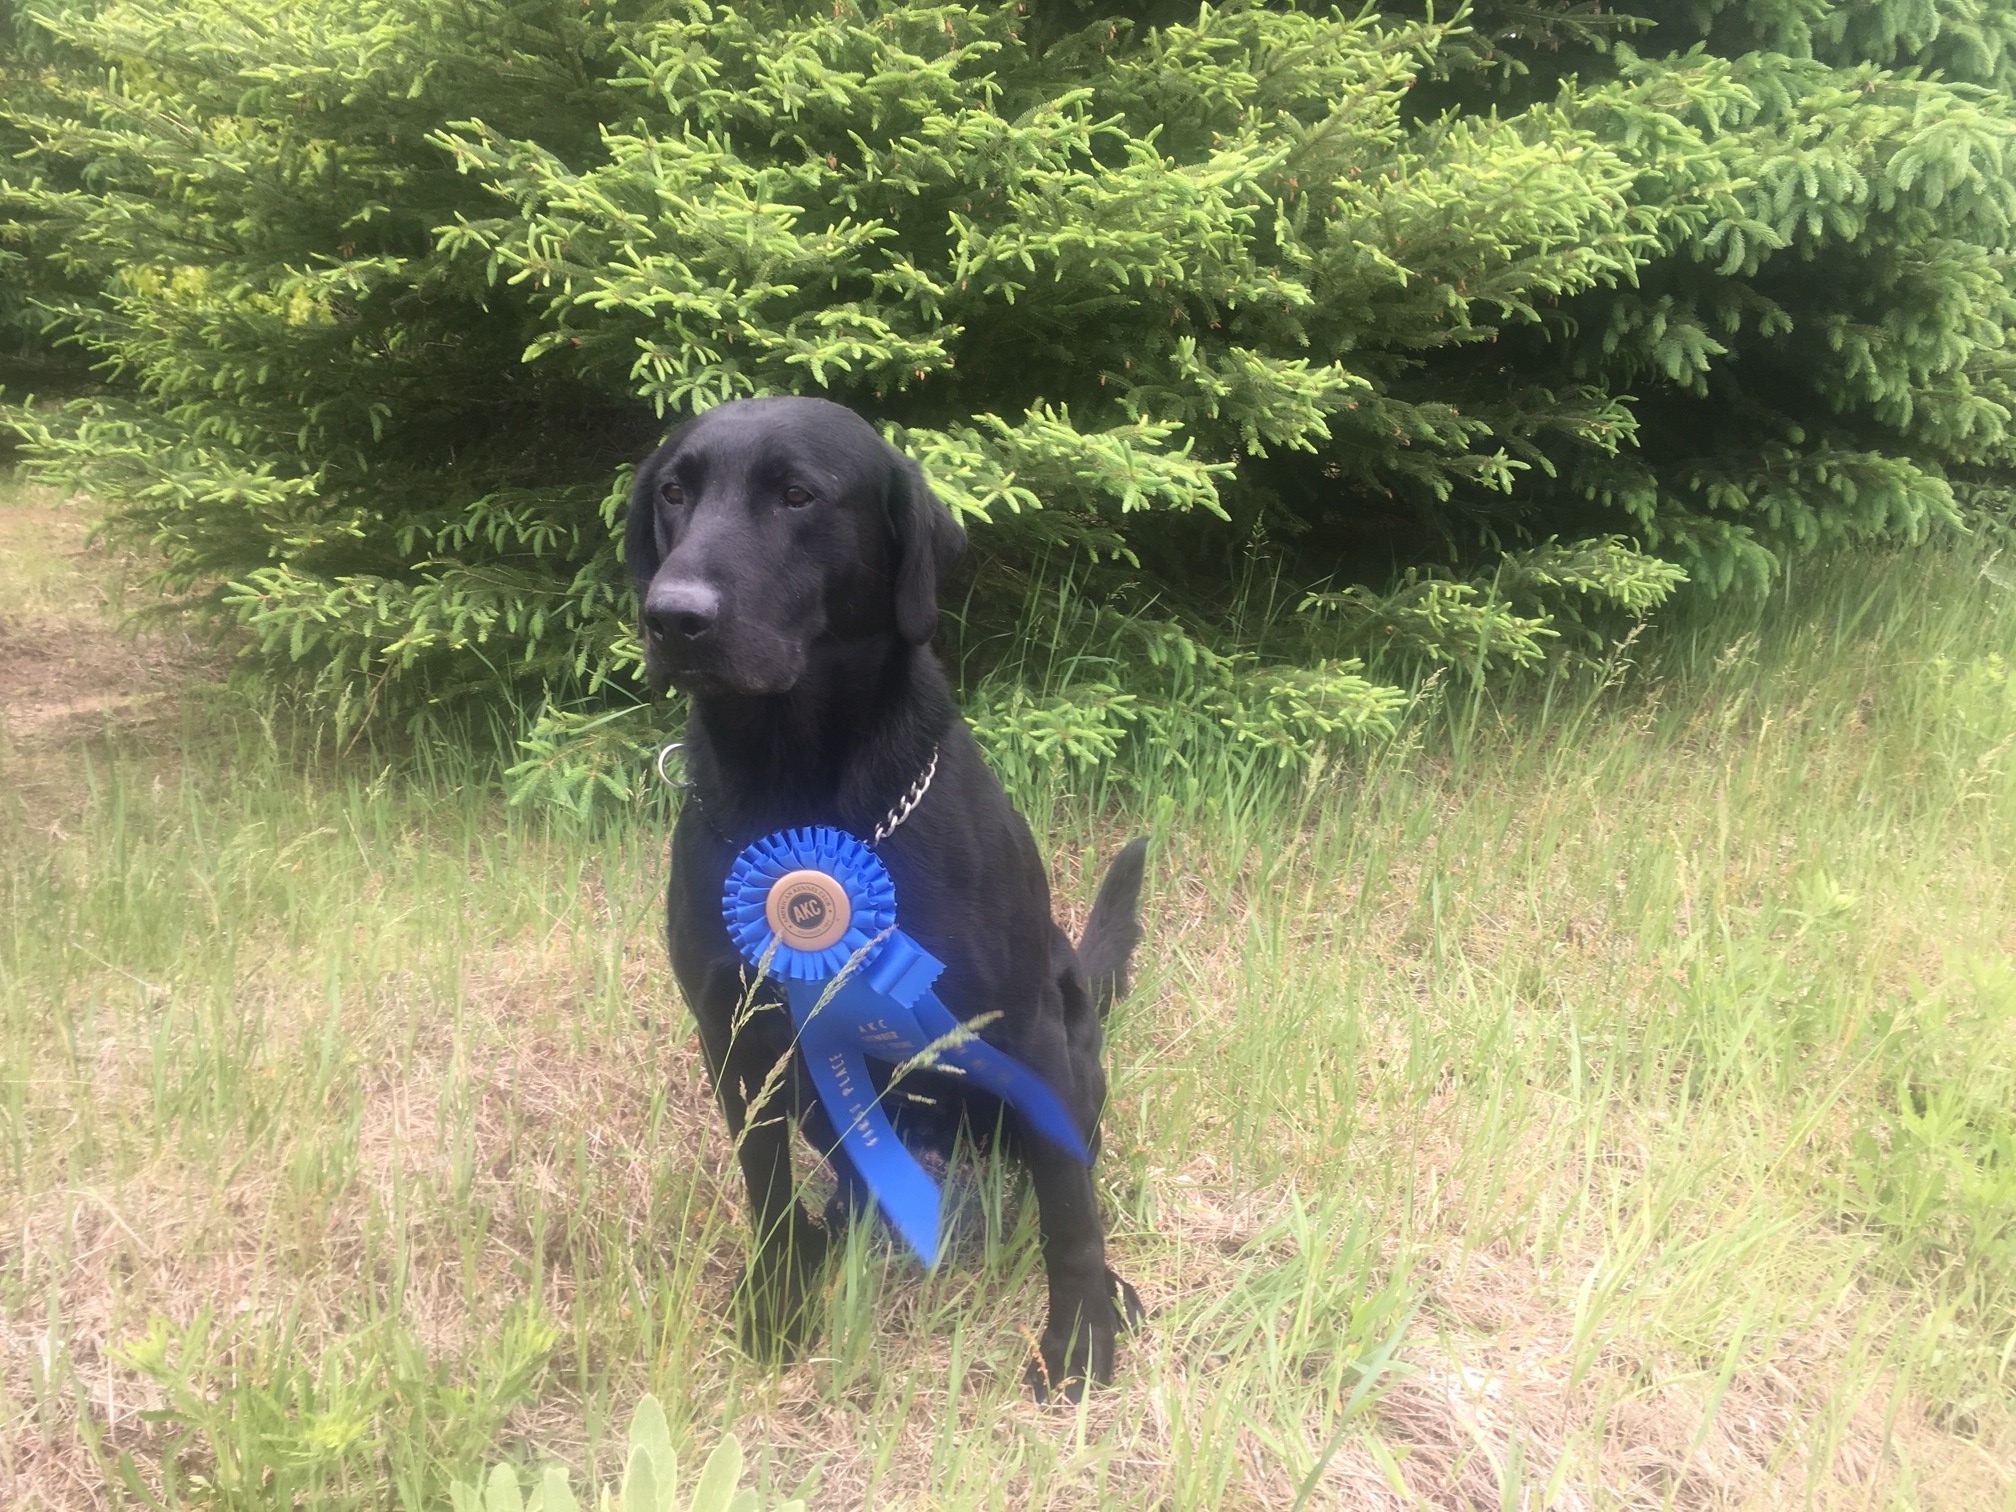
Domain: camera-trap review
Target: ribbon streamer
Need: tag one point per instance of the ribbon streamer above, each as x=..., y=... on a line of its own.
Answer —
x=816, y=909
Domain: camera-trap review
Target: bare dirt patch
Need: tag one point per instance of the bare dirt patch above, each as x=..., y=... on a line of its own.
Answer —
x=68, y=669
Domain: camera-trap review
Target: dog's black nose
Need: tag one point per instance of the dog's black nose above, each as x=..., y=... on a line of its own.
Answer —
x=681, y=610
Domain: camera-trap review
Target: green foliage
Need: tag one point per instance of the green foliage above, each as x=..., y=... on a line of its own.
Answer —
x=1816, y=341
x=650, y=1479
x=36, y=276
x=324, y=426
x=1496, y=329
x=256, y=1421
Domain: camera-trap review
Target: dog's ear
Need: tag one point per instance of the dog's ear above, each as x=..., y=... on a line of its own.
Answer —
x=928, y=544
x=641, y=553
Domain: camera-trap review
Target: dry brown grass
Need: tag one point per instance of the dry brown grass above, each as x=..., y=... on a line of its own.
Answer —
x=1565, y=1350
x=1488, y=1363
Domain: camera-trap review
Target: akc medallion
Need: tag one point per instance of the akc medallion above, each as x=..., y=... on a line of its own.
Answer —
x=808, y=909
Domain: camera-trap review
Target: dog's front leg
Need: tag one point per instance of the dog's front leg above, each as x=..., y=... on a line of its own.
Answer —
x=779, y=1288
x=1089, y=1305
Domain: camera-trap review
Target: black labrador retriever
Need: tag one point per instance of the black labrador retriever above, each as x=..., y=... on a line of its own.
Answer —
x=787, y=560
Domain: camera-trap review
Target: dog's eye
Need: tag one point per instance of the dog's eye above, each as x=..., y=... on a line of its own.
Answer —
x=797, y=497
x=672, y=493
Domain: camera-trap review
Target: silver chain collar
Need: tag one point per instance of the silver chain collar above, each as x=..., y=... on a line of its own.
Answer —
x=891, y=822
x=907, y=802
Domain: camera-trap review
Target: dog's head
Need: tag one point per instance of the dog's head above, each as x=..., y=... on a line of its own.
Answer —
x=766, y=527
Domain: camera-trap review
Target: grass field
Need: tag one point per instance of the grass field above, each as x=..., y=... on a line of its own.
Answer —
x=1606, y=1098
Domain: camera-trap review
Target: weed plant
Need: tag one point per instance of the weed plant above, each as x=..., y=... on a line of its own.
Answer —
x=1596, y=1095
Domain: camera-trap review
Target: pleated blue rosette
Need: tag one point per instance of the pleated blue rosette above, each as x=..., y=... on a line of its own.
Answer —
x=867, y=993
x=857, y=869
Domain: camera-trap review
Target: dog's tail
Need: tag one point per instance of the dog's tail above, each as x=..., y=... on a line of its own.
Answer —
x=1114, y=928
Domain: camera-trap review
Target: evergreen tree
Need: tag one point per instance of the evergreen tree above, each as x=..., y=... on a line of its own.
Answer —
x=1815, y=345
x=334, y=440
x=36, y=278
x=1487, y=329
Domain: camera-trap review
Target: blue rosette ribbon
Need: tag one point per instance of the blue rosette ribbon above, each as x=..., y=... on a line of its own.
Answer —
x=816, y=910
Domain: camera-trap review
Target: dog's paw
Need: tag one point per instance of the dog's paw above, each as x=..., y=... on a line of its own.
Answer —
x=777, y=1301
x=1076, y=1350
